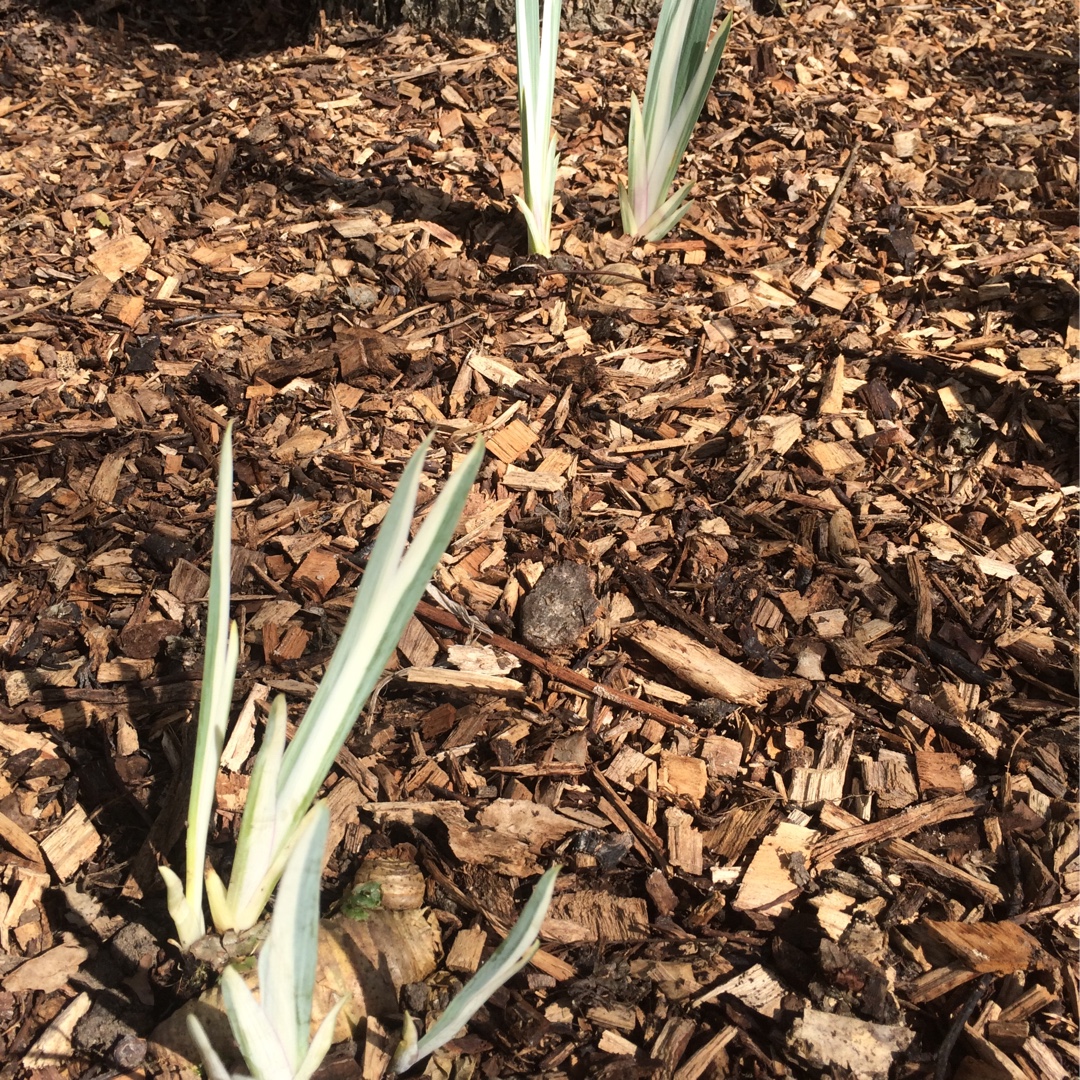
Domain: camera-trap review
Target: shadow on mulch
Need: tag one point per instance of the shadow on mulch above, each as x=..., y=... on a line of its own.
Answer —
x=231, y=30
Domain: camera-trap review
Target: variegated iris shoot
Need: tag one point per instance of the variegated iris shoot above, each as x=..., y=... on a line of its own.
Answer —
x=681, y=71
x=506, y=961
x=283, y=829
x=284, y=782
x=536, y=91
x=274, y=1032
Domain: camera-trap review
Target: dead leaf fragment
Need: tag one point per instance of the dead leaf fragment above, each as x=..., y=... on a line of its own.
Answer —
x=508, y=836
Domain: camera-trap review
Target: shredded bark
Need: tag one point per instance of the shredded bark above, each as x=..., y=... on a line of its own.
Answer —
x=793, y=492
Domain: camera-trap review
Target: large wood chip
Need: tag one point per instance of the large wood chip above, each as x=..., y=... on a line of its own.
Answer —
x=768, y=887
x=831, y=1041
x=702, y=668
x=512, y=441
x=998, y=947
x=71, y=844
x=48, y=971
x=18, y=839
x=757, y=988
x=54, y=1042
x=107, y=478
x=579, y=917
x=119, y=256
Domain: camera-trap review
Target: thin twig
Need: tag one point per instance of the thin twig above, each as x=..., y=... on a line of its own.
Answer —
x=14, y=316
x=958, y=1024
x=1004, y=258
x=1054, y=590
x=819, y=240
x=558, y=672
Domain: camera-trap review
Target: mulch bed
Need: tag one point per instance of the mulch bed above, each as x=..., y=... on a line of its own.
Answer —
x=762, y=615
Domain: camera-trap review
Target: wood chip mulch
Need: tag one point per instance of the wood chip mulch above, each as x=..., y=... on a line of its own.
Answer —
x=761, y=618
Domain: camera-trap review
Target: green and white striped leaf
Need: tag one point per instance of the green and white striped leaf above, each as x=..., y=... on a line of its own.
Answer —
x=219, y=674
x=506, y=961
x=536, y=57
x=681, y=71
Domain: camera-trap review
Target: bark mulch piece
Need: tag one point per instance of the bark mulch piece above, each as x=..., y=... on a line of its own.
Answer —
x=762, y=615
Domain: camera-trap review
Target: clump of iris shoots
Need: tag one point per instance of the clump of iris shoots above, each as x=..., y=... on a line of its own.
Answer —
x=681, y=72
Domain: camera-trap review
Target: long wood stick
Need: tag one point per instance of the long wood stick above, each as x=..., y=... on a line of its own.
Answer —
x=819, y=240
x=558, y=672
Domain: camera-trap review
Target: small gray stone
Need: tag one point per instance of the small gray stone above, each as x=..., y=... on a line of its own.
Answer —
x=560, y=608
x=129, y=1051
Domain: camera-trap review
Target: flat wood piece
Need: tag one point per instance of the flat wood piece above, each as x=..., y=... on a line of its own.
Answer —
x=19, y=840
x=831, y=1041
x=511, y=442
x=682, y=776
x=938, y=774
x=55, y=1041
x=757, y=988
x=71, y=844
x=50, y=970
x=467, y=950
x=576, y=918
x=317, y=574
x=937, y=982
x=684, y=842
x=700, y=667
x=768, y=885
x=997, y=947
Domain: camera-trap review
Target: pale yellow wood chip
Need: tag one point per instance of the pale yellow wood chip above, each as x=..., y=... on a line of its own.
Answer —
x=517, y=479
x=125, y=671
x=833, y=457
x=71, y=844
x=509, y=443
x=756, y=987
x=681, y=775
x=54, y=1043
x=118, y=257
x=685, y=846
x=701, y=667
x=768, y=886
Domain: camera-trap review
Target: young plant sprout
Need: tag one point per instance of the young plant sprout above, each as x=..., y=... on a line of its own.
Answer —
x=284, y=782
x=536, y=91
x=681, y=71
x=283, y=830
x=274, y=1032
x=219, y=674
